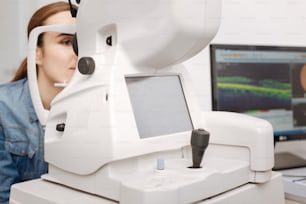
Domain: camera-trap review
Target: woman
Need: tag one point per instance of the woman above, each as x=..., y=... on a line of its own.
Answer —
x=21, y=134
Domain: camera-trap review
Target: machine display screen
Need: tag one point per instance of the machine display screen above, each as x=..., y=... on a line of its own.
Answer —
x=159, y=105
x=262, y=81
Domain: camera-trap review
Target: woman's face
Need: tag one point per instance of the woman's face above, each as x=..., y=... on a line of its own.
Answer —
x=55, y=59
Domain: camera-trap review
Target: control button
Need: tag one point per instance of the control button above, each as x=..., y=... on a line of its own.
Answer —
x=86, y=65
x=60, y=127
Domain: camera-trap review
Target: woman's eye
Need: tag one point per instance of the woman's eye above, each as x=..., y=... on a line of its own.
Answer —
x=67, y=42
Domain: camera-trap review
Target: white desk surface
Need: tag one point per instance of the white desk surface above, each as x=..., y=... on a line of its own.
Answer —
x=292, y=202
x=296, y=147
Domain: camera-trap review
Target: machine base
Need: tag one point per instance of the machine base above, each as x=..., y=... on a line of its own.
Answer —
x=45, y=192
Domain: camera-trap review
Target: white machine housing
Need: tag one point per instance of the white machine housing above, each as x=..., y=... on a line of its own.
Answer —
x=101, y=151
x=149, y=40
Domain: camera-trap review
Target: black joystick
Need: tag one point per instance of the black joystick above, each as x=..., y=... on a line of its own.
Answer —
x=199, y=143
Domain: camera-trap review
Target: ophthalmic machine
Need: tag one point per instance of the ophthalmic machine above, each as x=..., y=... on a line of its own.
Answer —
x=127, y=129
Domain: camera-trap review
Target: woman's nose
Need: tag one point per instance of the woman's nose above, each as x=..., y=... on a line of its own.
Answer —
x=74, y=57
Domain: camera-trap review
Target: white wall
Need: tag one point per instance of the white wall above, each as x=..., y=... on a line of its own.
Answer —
x=10, y=39
x=264, y=22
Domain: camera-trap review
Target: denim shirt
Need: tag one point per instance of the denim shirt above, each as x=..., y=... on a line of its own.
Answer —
x=21, y=138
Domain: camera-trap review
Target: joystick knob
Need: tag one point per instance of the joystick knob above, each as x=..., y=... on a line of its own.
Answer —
x=199, y=143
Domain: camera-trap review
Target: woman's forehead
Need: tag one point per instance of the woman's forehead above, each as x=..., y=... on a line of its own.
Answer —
x=63, y=17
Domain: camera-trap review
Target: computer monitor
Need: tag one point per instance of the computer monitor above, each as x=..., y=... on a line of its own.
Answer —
x=268, y=82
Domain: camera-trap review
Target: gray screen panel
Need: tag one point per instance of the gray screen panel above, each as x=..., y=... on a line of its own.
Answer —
x=159, y=105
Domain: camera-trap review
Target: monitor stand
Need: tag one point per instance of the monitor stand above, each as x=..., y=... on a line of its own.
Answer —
x=286, y=160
